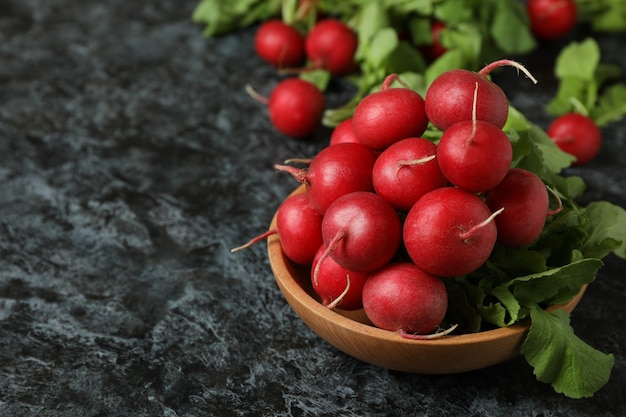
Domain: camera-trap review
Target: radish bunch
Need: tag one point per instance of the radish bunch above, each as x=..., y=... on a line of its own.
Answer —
x=399, y=214
x=296, y=105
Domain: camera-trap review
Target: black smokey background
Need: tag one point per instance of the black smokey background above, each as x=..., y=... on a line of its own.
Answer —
x=131, y=161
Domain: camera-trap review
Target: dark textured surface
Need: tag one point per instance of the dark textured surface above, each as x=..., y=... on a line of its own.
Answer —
x=131, y=161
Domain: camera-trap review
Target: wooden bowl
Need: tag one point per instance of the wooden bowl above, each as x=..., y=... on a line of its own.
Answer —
x=352, y=333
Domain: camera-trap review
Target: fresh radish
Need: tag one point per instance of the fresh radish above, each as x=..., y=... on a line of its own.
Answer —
x=401, y=297
x=361, y=231
x=435, y=49
x=336, y=170
x=295, y=107
x=389, y=115
x=343, y=132
x=295, y=218
x=449, y=97
x=331, y=45
x=449, y=232
x=525, y=200
x=578, y=135
x=338, y=287
x=407, y=170
x=474, y=154
x=279, y=44
x=551, y=19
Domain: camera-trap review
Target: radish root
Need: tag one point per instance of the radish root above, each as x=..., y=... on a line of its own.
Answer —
x=466, y=235
x=558, y=199
x=258, y=97
x=436, y=335
x=255, y=240
x=408, y=162
x=331, y=247
x=507, y=62
x=338, y=300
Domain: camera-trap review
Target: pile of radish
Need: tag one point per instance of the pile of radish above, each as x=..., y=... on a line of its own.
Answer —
x=389, y=215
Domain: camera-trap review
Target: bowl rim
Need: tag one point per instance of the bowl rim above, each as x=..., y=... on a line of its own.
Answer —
x=282, y=269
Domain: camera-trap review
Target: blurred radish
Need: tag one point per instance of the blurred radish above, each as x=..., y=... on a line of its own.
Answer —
x=295, y=107
x=551, y=19
x=331, y=45
x=279, y=44
x=578, y=135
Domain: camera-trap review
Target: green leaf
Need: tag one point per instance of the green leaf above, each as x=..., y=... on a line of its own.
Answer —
x=562, y=359
x=556, y=285
x=449, y=60
x=578, y=60
x=221, y=17
x=611, y=106
x=510, y=28
x=607, y=230
x=319, y=77
x=368, y=21
x=381, y=45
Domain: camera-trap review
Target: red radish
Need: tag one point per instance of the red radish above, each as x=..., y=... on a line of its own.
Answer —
x=295, y=107
x=473, y=154
x=337, y=286
x=551, y=19
x=403, y=298
x=525, y=200
x=449, y=232
x=361, y=231
x=279, y=44
x=295, y=219
x=343, y=132
x=331, y=45
x=336, y=170
x=449, y=97
x=389, y=115
x=407, y=170
x=435, y=49
x=577, y=135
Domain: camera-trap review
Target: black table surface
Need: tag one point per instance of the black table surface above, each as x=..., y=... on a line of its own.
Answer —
x=131, y=161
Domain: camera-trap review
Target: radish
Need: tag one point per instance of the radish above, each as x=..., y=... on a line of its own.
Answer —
x=449, y=97
x=336, y=170
x=551, y=19
x=435, y=49
x=474, y=154
x=295, y=107
x=389, y=115
x=279, y=44
x=361, y=231
x=525, y=200
x=295, y=218
x=331, y=45
x=577, y=135
x=337, y=286
x=343, y=132
x=401, y=297
x=407, y=170
x=449, y=232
